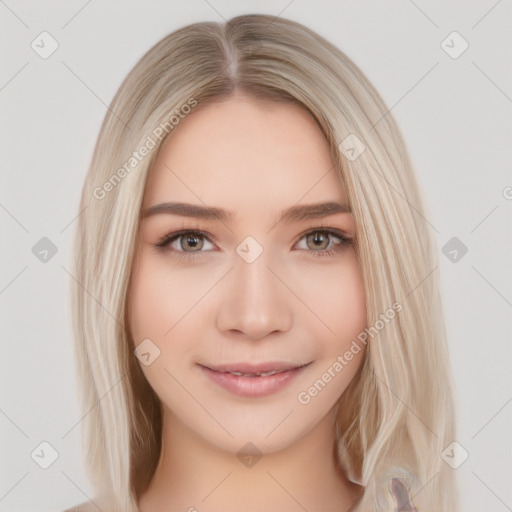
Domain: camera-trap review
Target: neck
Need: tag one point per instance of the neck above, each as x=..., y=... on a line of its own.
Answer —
x=192, y=474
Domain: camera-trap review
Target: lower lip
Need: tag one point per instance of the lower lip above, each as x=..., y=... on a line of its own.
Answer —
x=252, y=386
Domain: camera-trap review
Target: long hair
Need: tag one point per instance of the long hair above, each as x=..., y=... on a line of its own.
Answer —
x=398, y=411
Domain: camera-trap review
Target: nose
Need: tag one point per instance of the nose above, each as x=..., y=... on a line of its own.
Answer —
x=255, y=302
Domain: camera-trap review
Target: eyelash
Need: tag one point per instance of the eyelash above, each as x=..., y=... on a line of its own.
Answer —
x=166, y=240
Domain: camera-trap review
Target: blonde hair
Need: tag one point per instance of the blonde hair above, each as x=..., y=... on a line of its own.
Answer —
x=398, y=412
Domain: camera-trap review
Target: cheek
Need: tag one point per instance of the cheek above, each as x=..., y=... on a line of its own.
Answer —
x=335, y=294
x=159, y=297
x=148, y=304
x=349, y=294
x=337, y=297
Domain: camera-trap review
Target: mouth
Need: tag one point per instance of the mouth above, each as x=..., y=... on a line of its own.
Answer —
x=259, y=374
x=253, y=380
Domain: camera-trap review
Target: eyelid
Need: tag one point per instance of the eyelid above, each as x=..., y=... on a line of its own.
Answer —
x=166, y=240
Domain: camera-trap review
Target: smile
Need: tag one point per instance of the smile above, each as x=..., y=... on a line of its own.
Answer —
x=253, y=381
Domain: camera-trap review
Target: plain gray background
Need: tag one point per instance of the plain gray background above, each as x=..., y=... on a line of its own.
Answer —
x=455, y=115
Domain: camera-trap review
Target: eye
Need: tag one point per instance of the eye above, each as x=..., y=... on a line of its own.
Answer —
x=180, y=241
x=322, y=239
x=318, y=241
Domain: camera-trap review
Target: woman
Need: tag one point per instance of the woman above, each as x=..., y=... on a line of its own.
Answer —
x=245, y=354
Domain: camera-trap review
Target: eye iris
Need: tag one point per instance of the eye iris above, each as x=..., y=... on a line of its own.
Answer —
x=318, y=237
x=191, y=239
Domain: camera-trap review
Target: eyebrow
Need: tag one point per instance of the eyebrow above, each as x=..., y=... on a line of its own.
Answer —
x=294, y=213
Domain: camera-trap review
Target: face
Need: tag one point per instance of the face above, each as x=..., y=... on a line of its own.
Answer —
x=246, y=314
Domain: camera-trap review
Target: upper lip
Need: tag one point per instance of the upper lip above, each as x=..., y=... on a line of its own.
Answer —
x=254, y=369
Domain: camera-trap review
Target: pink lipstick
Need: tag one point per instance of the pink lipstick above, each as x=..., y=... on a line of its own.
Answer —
x=252, y=380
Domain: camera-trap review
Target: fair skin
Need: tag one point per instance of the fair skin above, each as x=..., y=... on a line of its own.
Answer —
x=287, y=306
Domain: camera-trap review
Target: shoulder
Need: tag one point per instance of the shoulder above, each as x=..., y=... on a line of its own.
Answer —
x=402, y=495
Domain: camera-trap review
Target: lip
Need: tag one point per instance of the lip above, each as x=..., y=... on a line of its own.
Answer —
x=252, y=383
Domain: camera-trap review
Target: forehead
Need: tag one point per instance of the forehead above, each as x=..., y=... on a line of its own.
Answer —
x=246, y=155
